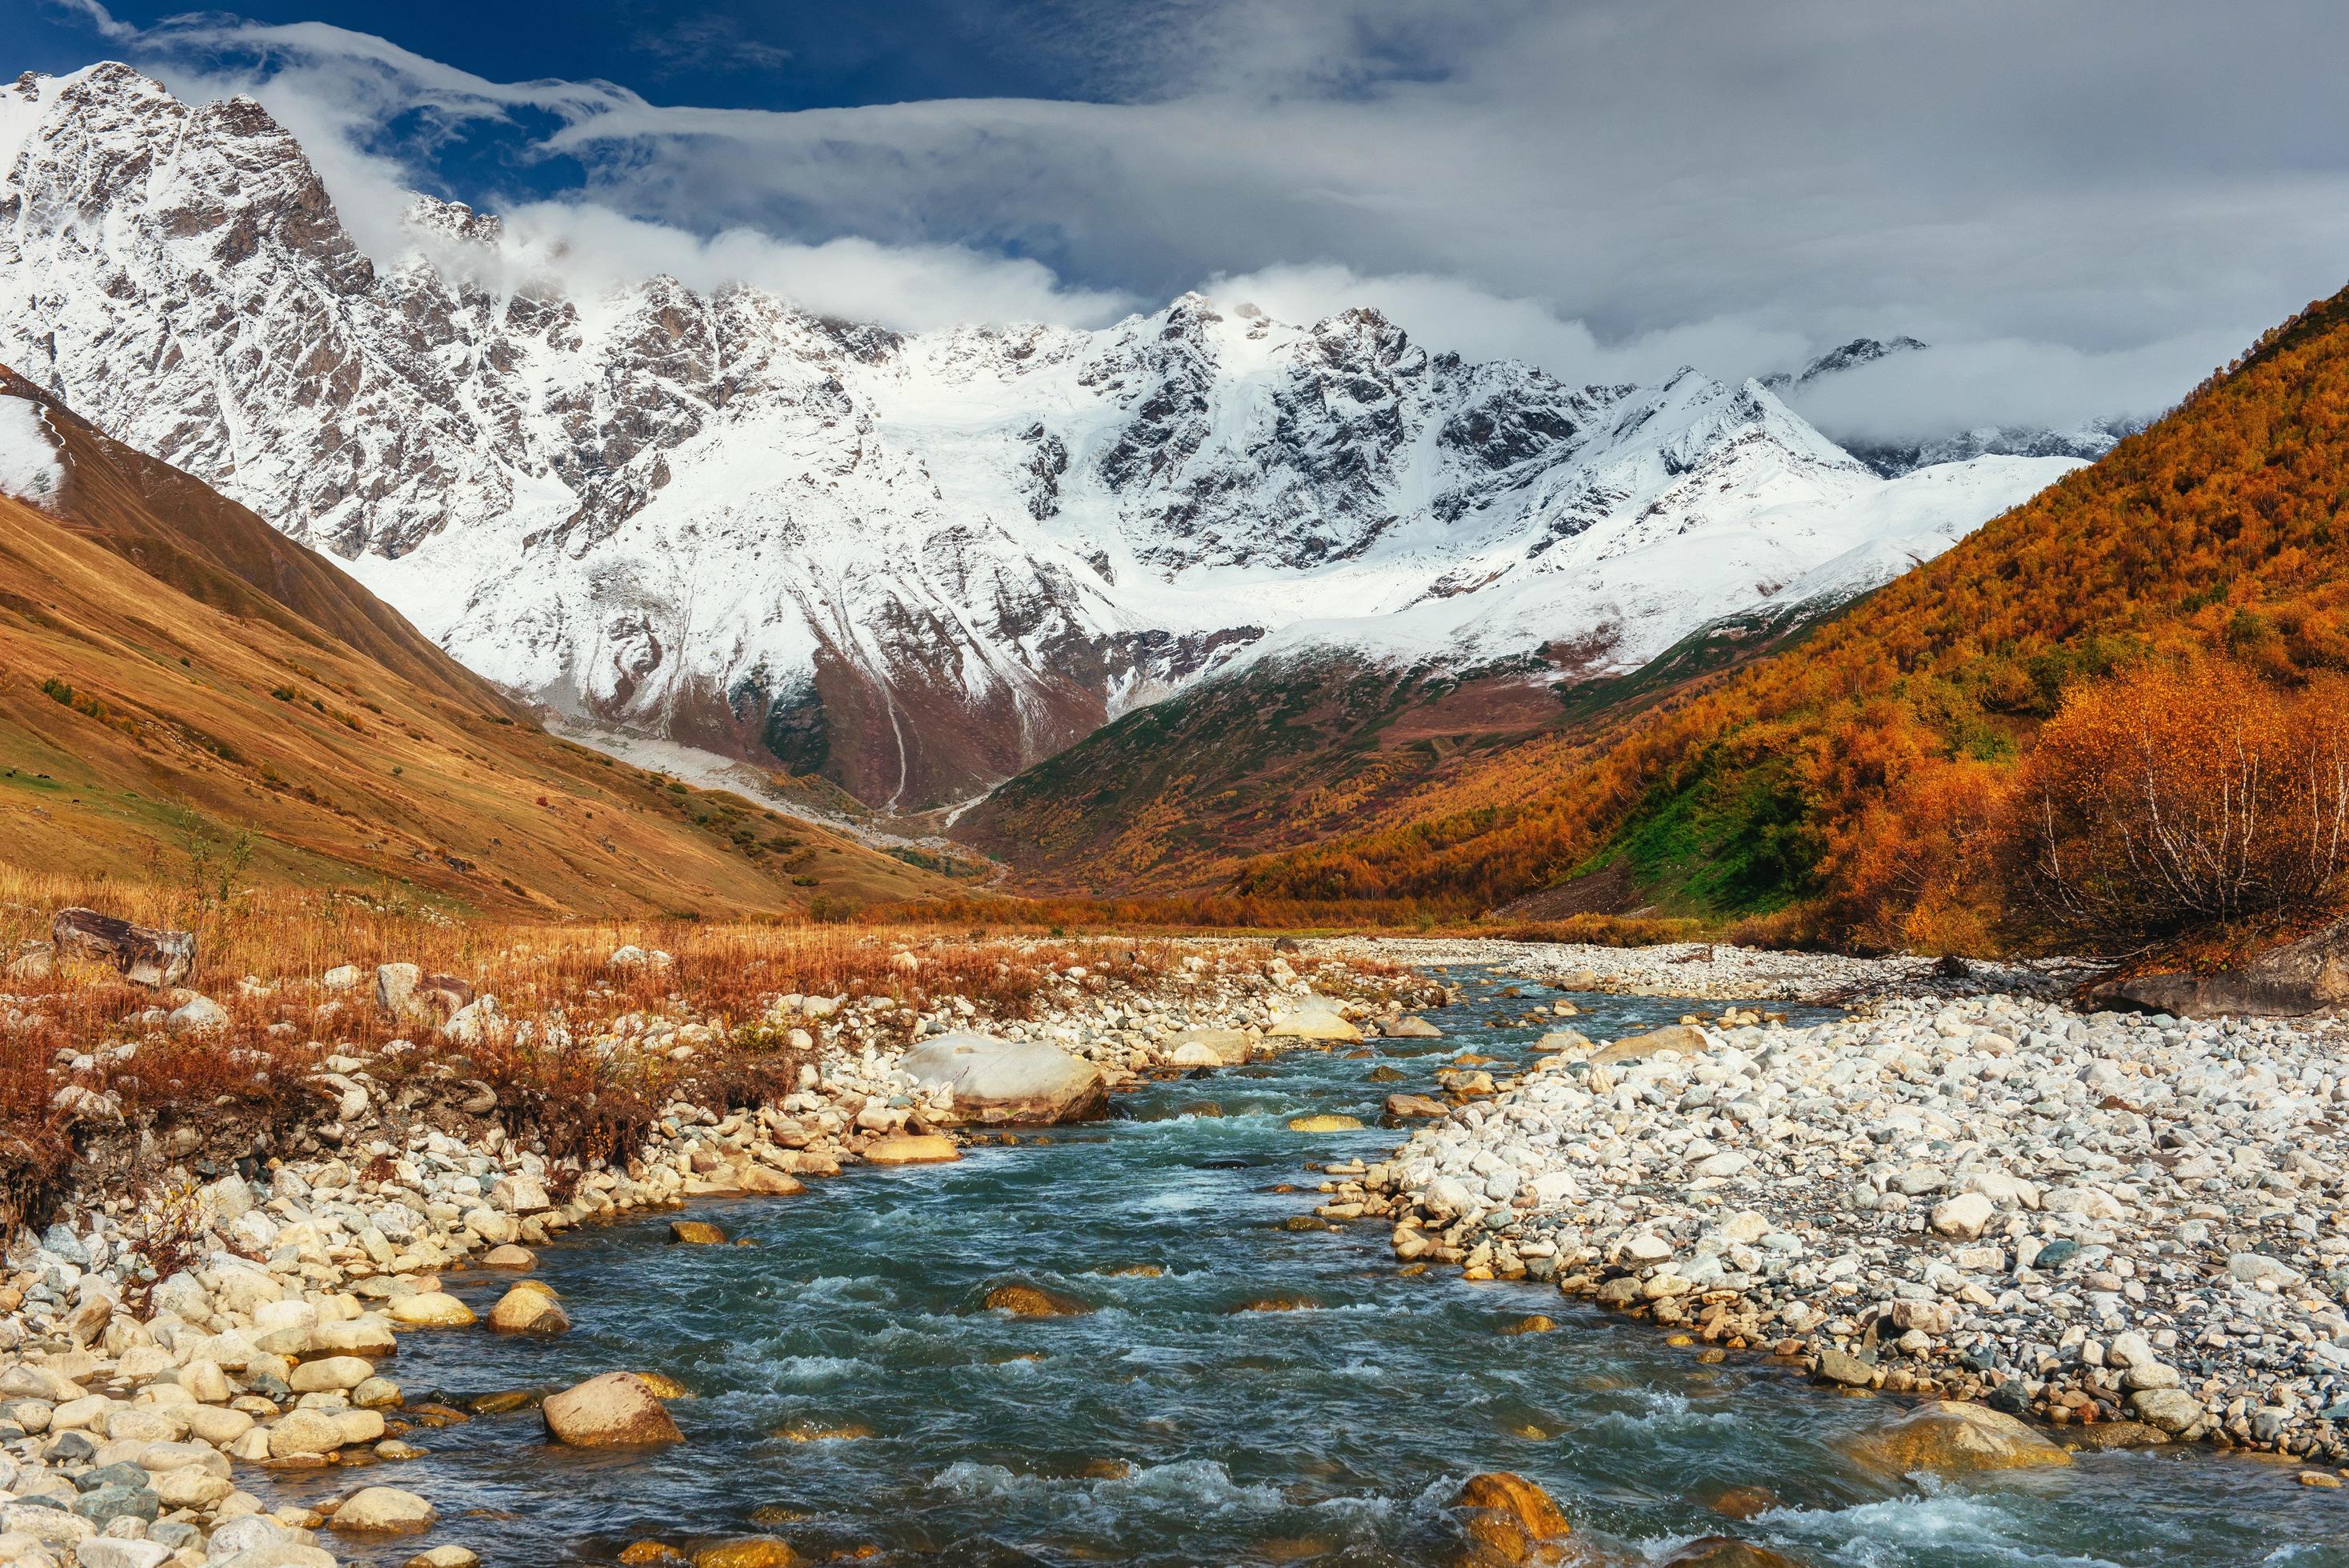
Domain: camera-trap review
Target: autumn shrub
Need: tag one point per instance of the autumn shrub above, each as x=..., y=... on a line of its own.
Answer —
x=2184, y=796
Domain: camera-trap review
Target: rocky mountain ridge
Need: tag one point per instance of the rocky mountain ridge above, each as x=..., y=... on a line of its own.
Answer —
x=916, y=562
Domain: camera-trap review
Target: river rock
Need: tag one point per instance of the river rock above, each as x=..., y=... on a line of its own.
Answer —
x=696, y=1234
x=1947, y=1438
x=750, y=1551
x=509, y=1256
x=1963, y=1217
x=384, y=1510
x=1023, y=1300
x=1685, y=1038
x=1410, y=1028
x=301, y=1433
x=430, y=1309
x=1406, y=1105
x=1229, y=1048
x=1507, y=1518
x=1008, y=1081
x=329, y=1373
x=530, y=1308
x=2171, y=1409
x=615, y=1410
x=1324, y=1121
x=911, y=1149
x=1314, y=1020
x=445, y=1557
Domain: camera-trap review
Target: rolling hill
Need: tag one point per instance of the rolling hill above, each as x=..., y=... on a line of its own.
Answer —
x=175, y=676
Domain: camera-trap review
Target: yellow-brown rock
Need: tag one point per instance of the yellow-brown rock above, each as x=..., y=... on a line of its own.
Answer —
x=1034, y=1301
x=750, y=1551
x=1508, y=1521
x=696, y=1234
x=911, y=1149
x=529, y=1308
x=1948, y=1437
x=615, y=1411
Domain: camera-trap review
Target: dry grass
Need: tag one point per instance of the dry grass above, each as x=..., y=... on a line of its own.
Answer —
x=561, y=1084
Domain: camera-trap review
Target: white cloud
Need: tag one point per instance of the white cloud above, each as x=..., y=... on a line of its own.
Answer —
x=1961, y=386
x=909, y=287
x=2087, y=205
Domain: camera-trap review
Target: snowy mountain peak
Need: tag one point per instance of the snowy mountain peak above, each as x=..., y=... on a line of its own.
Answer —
x=916, y=561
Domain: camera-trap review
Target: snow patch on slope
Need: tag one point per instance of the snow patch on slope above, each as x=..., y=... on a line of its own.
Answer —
x=29, y=469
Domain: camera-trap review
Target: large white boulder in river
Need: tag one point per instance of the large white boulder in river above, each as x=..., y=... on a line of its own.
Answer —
x=1009, y=1080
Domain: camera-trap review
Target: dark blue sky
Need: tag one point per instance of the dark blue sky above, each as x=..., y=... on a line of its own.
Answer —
x=781, y=53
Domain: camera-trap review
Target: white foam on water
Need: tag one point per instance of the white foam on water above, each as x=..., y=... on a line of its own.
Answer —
x=1973, y=1524
x=817, y=1368
x=965, y=1478
x=1198, y=1483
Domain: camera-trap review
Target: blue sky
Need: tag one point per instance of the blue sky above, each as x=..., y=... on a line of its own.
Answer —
x=2084, y=206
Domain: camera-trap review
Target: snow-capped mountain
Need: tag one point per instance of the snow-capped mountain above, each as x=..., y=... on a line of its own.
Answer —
x=921, y=562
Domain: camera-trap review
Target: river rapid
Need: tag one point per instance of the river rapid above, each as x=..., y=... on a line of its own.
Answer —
x=852, y=1395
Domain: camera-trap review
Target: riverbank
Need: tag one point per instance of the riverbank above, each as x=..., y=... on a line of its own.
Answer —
x=226, y=1295
x=1719, y=971
x=2130, y=1226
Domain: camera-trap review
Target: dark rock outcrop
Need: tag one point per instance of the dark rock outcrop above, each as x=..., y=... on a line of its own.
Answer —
x=2311, y=976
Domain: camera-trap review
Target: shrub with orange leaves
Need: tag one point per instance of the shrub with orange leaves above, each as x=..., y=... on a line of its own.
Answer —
x=2177, y=796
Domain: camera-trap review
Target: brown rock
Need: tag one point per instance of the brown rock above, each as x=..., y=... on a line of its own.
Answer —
x=530, y=1308
x=639, y=1553
x=1034, y=1301
x=750, y=1551
x=2104, y=1436
x=665, y=1386
x=1947, y=1438
x=696, y=1234
x=1508, y=1519
x=1742, y=1501
x=616, y=1411
x=1407, y=1105
x=509, y=1256
x=1680, y=1037
x=143, y=954
x=911, y=1149
x=2311, y=976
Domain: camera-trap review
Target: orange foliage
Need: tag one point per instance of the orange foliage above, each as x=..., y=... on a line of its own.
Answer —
x=2216, y=532
x=2176, y=798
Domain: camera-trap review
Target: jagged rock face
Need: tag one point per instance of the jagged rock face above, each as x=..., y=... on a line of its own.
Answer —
x=917, y=563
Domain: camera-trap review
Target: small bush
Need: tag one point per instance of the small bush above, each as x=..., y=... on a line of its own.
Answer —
x=2176, y=798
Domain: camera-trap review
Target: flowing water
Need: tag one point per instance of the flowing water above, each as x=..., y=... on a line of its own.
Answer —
x=1166, y=1427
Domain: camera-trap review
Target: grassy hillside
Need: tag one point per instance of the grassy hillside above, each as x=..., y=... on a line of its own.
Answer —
x=187, y=695
x=1861, y=780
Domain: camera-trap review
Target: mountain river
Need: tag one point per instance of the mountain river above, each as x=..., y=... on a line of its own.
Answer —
x=853, y=1395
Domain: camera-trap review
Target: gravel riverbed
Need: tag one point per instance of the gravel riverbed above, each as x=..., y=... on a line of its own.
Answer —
x=2133, y=1225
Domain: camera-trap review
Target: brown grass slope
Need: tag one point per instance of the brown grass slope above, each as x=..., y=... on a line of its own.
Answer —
x=1851, y=782
x=175, y=676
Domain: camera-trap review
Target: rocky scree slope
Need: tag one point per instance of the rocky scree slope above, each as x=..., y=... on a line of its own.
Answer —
x=916, y=564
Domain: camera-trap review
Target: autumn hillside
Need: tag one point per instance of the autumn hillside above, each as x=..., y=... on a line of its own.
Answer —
x=186, y=695
x=1863, y=785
